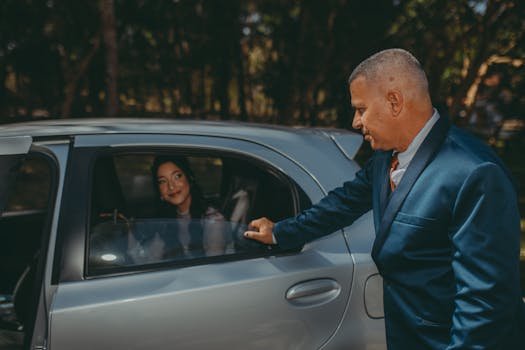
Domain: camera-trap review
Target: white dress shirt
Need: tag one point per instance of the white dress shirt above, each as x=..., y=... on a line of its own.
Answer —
x=405, y=157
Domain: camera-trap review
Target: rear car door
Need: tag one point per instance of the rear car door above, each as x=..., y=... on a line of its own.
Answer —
x=264, y=300
x=29, y=178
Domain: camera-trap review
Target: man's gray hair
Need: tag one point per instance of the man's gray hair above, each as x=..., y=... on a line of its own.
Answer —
x=375, y=66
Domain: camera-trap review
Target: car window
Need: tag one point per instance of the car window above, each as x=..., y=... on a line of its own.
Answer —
x=31, y=188
x=135, y=225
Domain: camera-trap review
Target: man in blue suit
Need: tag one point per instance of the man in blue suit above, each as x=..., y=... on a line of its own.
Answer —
x=445, y=213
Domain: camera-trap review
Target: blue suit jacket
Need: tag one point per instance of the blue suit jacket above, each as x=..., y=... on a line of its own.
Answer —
x=447, y=243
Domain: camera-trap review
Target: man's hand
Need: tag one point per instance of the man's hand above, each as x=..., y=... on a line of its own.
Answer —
x=262, y=231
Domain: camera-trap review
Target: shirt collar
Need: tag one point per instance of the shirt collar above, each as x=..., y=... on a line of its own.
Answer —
x=406, y=156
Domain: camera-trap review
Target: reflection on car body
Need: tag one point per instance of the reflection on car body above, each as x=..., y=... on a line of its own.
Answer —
x=92, y=263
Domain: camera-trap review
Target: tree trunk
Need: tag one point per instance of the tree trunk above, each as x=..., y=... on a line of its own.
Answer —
x=238, y=58
x=3, y=92
x=73, y=78
x=224, y=80
x=223, y=43
x=240, y=78
x=495, y=13
x=109, y=34
x=293, y=93
x=202, y=93
x=472, y=71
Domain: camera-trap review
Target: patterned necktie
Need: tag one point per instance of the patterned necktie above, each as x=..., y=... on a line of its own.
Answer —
x=394, y=162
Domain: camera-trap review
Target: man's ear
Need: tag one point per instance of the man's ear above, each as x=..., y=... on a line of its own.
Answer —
x=395, y=100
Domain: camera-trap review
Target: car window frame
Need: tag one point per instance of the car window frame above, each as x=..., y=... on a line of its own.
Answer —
x=188, y=152
x=73, y=228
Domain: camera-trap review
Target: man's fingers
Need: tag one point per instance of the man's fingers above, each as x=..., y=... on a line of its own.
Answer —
x=263, y=237
x=261, y=230
x=258, y=222
x=252, y=234
x=258, y=235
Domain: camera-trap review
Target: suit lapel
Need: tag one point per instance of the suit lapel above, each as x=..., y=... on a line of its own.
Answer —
x=384, y=190
x=381, y=192
x=423, y=156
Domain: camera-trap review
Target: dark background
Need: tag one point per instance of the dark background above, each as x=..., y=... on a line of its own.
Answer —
x=271, y=61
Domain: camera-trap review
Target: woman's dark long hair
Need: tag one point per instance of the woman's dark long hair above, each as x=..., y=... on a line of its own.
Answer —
x=197, y=207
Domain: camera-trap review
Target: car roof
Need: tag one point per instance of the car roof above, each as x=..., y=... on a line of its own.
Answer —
x=270, y=135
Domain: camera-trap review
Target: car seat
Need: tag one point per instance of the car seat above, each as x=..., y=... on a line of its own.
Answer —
x=239, y=200
x=107, y=193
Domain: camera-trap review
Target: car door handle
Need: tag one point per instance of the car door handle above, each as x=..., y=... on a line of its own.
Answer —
x=314, y=292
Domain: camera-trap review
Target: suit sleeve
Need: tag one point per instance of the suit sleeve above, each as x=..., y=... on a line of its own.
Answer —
x=338, y=209
x=485, y=238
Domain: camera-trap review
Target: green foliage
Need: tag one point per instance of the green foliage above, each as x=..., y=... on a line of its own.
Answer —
x=269, y=60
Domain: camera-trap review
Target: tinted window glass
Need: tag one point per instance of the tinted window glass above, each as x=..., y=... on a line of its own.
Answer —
x=137, y=220
x=31, y=189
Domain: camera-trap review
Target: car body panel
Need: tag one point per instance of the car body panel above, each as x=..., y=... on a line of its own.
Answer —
x=310, y=147
x=11, y=145
x=60, y=151
x=238, y=304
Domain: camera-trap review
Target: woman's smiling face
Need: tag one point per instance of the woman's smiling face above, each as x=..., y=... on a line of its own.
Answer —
x=174, y=186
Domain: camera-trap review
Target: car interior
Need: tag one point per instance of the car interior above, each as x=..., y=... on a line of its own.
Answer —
x=22, y=223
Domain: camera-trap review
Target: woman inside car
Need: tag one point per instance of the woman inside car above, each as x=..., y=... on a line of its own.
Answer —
x=198, y=230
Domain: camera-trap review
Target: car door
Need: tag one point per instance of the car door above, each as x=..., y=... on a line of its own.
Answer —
x=281, y=300
x=29, y=182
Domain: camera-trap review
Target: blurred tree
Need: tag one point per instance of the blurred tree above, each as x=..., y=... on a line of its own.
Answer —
x=109, y=33
x=313, y=46
x=455, y=39
x=73, y=75
x=225, y=48
x=261, y=60
x=26, y=57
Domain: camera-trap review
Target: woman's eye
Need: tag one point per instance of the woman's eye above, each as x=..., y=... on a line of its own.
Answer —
x=161, y=182
x=178, y=176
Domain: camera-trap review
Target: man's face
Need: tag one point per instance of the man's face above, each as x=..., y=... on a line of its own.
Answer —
x=372, y=114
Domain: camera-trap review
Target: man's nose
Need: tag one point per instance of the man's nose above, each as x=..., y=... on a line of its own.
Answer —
x=356, y=122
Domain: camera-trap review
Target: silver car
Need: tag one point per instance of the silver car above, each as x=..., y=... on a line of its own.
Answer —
x=78, y=220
